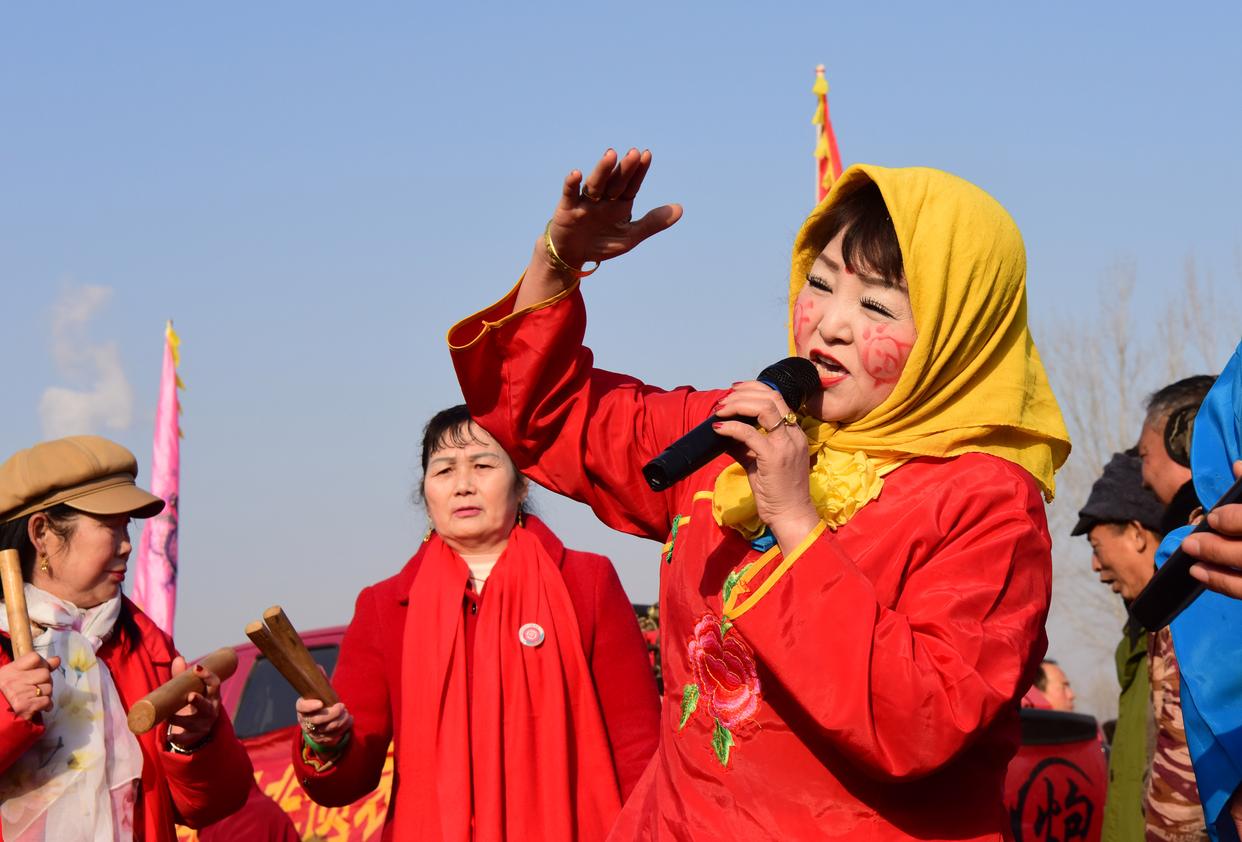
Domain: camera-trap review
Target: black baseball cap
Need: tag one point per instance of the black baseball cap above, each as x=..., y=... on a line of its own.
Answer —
x=1118, y=496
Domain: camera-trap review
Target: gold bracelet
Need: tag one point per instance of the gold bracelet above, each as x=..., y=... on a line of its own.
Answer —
x=557, y=262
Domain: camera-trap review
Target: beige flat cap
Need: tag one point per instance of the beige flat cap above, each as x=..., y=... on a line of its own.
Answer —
x=88, y=473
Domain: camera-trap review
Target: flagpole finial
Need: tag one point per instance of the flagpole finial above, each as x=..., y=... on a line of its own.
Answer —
x=820, y=88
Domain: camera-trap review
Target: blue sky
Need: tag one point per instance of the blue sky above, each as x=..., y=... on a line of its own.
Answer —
x=314, y=193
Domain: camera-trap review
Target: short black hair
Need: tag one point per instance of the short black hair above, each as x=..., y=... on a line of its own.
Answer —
x=870, y=242
x=1189, y=391
x=453, y=427
x=1041, y=678
x=448, y=427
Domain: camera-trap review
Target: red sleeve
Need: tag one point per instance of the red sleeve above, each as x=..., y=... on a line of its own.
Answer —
x=194, y=789
x=580, y=431
x=623, y=680
x=214, y=781
x=957, y=649
x=361, y=680
x=16, y=734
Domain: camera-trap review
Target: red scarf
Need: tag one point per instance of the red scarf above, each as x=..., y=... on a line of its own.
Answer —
x=533, y=761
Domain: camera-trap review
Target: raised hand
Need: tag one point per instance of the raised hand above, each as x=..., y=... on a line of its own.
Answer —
x=593, y=221
x=26, y=684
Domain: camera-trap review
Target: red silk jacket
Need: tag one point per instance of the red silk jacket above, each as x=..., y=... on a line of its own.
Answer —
x=193, y=790
x=368, y=676
x=873, y=693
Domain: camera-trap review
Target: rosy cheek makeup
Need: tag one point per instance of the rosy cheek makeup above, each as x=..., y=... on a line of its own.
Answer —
x=802, y=322
x=883, y=354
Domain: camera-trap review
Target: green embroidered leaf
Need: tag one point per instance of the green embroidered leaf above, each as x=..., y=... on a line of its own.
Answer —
x=731, y=581
x=672, y=540
x=722, y=741
x=689, y=703
x=725, y=625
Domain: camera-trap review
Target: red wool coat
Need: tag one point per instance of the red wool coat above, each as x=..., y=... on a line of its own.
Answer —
x=873, y=693
x=193, y=790
x=368, y=676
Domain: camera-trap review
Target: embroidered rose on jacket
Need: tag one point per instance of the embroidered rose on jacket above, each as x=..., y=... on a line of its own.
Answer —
x=726, y=682
x=724, y=669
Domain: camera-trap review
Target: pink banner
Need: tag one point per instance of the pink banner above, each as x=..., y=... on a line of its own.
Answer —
x=155, y=572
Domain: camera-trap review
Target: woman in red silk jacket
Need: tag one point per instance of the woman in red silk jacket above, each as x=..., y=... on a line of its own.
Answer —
x=853, y=599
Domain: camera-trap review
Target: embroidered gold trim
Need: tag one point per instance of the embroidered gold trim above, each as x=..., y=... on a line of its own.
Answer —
x=486, y=325
x=732, y=610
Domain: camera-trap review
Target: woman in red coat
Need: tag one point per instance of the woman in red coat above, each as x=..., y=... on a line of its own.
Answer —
x=508, y=671
x=70, y=769
x=853, y=600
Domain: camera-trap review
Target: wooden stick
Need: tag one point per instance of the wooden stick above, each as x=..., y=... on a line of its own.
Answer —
x=309, y=685
x=15, y=603
x=288, y=638
x=169, y=697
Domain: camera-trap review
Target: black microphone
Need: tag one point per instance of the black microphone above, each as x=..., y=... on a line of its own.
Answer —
x=794, y=377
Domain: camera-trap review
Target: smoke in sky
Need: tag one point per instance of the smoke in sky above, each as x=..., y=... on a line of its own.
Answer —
x=104, y=398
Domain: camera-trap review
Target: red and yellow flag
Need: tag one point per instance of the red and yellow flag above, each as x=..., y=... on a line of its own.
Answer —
x=827, y=157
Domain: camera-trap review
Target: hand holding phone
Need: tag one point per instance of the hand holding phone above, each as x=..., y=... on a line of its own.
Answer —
x=1210, y=556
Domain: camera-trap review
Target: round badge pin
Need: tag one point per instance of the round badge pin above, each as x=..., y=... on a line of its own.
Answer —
x=531, y=634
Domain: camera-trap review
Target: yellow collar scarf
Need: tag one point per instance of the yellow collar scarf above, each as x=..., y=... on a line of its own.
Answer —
x=973, y=382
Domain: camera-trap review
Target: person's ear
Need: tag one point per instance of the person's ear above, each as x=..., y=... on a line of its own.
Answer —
x=36, y=531
x=1138, y=536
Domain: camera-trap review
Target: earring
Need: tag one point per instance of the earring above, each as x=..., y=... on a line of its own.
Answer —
x=427, y=535
x=521, y=518
x=43, y=565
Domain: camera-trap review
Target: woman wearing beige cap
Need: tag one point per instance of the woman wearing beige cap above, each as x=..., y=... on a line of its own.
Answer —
x=69, y=767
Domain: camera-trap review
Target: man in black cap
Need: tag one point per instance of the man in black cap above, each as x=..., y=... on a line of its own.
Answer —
x=1122, y=519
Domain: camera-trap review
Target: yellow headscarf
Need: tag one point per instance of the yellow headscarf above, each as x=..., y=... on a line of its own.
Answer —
x=973, y=381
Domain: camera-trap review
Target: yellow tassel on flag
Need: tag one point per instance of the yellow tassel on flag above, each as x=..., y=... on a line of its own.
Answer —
x=827, y=158
x=174, y=348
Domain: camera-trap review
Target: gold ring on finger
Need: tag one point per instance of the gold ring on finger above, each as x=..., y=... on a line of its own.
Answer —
x=789, y=419
x=38, y=691
x=586, y=194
